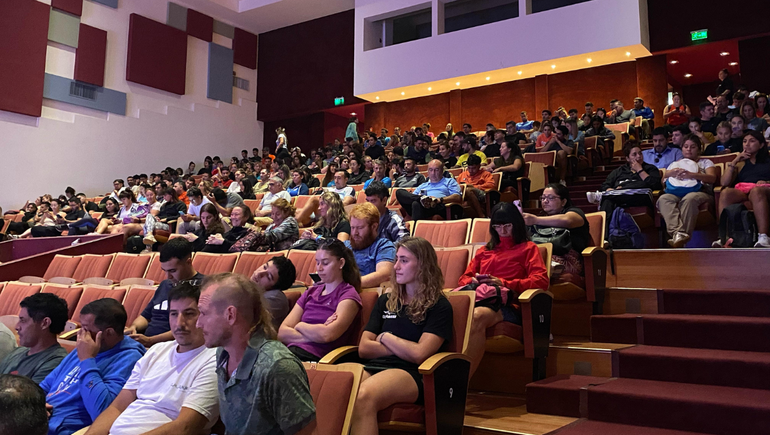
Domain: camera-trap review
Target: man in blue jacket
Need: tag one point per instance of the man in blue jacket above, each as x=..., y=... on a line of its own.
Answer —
x=89, y=378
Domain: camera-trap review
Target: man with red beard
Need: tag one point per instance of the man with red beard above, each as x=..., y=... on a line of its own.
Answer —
x=375, y=255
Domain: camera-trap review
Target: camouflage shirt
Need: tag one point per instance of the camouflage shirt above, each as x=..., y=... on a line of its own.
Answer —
x=268, y=393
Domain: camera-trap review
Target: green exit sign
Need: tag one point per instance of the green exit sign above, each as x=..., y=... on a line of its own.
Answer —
x=699, y=35
x=339, y=101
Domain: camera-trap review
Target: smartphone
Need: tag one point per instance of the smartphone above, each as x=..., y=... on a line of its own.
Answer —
x=720, y=148
x=482, y=276
x=315, y=277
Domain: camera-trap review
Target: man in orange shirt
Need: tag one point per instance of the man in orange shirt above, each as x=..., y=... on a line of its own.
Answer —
x=181, y=192
x=477, y=183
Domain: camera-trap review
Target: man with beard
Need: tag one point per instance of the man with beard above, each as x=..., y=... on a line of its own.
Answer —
x=375, y=255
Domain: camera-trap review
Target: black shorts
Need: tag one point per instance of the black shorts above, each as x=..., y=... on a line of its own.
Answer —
x=303, y=355
x=414, y=373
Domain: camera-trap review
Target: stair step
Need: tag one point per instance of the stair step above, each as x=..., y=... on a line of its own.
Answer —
x=560, y=394
x=750, y=303
x=682, y=330
x=590, y=427
x=700, y=408
x=694, y=366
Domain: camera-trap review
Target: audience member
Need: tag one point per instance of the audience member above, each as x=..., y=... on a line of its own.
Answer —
x=373, y=254
x=679, y=205
x=263, y=387
x=172, y=387
x=357, y=173
x=380, y=174
x=677, y=113
x=23, y=406
x=332, y=223
x=210, y=224
x=620, y=115
x=241, y=220
x=224, y=201
x=695, y=127
x=273, y=278
x=410, y=177
x=510, y=164
x=753, y=122
x=723, y=143
x=279, y=235
x=407, y=326
x=469, y=148
x=190, y=221
x=420, y=150
x=444, y=153
x=477, y=184
x=90, y=377
x=392, y=225
x=265, y=208
x=152, y=325
x=74, y=214
x=41, y=319
x=661, y=155
x=430, y=198
x=297, y=186
x=169, y=212
x=525, y=125
x=598, y=129
x=708, y=121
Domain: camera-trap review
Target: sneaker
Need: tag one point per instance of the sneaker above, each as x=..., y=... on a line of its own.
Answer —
x=716, y=243
x=763, y=241
x=563, y=182
x=426, y=201
x=149, y=240
x=679, y=240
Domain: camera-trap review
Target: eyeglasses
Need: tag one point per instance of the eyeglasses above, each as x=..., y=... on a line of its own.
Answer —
x=549, y=198
x=499, y=227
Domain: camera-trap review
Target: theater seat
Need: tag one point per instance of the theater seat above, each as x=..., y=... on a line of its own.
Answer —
x=334, y=389
x=210, y=264
x=154, y=272
x=13, y=293
x=128, y=266
x=62, y=265
x=71, y=294
x=445, y=234
x=92, y=266
x=453, y=262
x=304, y=262
x=248, y=262
x=137, y=298
x=479, y=231
x=293, y=296
x=90, y=294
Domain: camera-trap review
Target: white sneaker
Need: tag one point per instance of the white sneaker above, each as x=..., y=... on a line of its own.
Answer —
x=149, y=240
x=679, y=240
x=563, y=182
x=763, y=241
x=716, y=243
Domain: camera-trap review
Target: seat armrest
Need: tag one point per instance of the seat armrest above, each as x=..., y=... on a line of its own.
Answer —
x=71, y=330
x=431, y=364
x=595, y=269
x=536, y=322
x=334, y=356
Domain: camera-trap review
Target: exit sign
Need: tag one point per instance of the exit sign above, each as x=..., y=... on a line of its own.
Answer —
x=699, y=35
x=339, y=101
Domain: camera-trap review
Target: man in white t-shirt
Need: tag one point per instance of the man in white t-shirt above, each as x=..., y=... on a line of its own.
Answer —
x=234, y=186
x=341, y=188
x=173, y=387
x=190, y=221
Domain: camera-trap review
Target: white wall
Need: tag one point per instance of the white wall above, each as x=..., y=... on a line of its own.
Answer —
x=87, y=149
x=588, y=27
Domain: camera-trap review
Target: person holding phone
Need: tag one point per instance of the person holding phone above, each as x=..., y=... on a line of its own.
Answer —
x=508, y=260
x=327, y=315
x=169, y=212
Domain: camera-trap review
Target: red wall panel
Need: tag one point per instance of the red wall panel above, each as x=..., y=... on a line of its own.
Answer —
x=497, y=104
x=23, y=39
x=407, y=113
x=157, y=55
x=91, y=55
x=200, y=25
x=245, y=49
x=334, y=128
x=74, y=7
x=598, y=85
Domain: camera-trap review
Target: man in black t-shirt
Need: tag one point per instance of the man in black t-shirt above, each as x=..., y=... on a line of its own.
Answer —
x=419, y=150
x=152, y=326
x=76, y=213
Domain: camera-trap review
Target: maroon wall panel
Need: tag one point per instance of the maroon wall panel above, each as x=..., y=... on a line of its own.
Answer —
x=302, y=68
x=157, y=55
x=74, y=7
x=335, y=126
x=754, y=72
x=23, y=39
x=200, y=25
x=672, y=21
x=245, y=48
x=497, y=104
x=598, y=85
x=91, y=55
x=407, y=113
x=306, y=132
x=651, y=83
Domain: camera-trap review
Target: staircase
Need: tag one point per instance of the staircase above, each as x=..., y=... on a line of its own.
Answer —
x=702, y=364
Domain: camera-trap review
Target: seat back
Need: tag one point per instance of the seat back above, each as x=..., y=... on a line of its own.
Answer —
x=92, y=266
x=334, y=389
x=304, y=262
x=368, y=300
x=621, y=127
x=590, y=142
x=252, y=204
x=210, y=264
x=70, y=293
x=596, y=226
x=480, y=230
x=293, y=297
x=94, y=292
x=546, y=250
x=443, y=233
x=454, y=171
x=392, y=201
x=723, y=158
x=453, y=262
x=300, y=201
x=248, y=262
x=62, y=265
x=13, y=293
x=137, y=298
x=547, y=158
x=128, y=266
x=462, y=315
x=154, y=272
x=497, y=177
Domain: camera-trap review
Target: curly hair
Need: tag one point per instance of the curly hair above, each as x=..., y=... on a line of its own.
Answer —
x=429, y=277
x=336, y=212
x=285, y=207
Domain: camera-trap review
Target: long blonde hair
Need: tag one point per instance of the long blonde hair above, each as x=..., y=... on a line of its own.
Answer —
x=429, y=276
x=336, y=212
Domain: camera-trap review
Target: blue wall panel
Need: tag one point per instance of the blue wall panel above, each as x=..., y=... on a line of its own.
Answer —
x=85, y=95
x=220, y=83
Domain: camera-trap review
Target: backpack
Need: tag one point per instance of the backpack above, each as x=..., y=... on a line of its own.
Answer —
x=135, y=245
x=624, y=231
x=738, y=223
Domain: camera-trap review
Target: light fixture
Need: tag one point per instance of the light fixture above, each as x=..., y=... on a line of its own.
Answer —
x=458, y=83
x=674, y=62
x=377, y=98
x=352, y=113
x=488, y=78
x=430, y=88
x=519, y=72
x=724, y=53
x=403, y=93
x=553, y=66
x=687, y=76
x=733, y=63
x=589, y=60
x=628, y=54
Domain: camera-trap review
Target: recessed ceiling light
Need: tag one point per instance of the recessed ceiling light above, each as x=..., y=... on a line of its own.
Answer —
x=628, y=53
x=352, y=113
x=688, y=75
x=553, y=66
x=519, y=72
x=674, y=62
x=377, y=98
x=724, y=53
x=458, y=83
x=589, y=60
x=489, y=78
x=430, y=88
x=403, y=93
x=733, y=63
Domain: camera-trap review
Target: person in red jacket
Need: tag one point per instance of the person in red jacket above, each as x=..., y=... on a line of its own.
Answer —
x=508, y=260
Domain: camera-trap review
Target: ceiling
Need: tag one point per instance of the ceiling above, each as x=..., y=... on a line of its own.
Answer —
x=703, y=62
x=260, y=16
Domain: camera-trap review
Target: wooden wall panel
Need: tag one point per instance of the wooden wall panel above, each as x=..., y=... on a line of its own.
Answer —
x=497, y=104
x=334, y=128
x=753, y=54
x=433, y=109
x=651, y=83
x=598, y=85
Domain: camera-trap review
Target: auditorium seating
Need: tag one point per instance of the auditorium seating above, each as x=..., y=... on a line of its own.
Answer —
x=304, y=263
x=128, y=266
x=12, y=295
x=334, y=389
x=453, y=262
x=443, y=233
x=248, y=262
x=210, y=264
x=71, y=294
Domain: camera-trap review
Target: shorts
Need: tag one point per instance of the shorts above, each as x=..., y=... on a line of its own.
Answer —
x=511, y=315
x=303, y=355
x=414, y=373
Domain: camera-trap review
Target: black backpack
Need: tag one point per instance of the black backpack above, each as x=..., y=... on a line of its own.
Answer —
x=737, y=222
x=135, y=245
